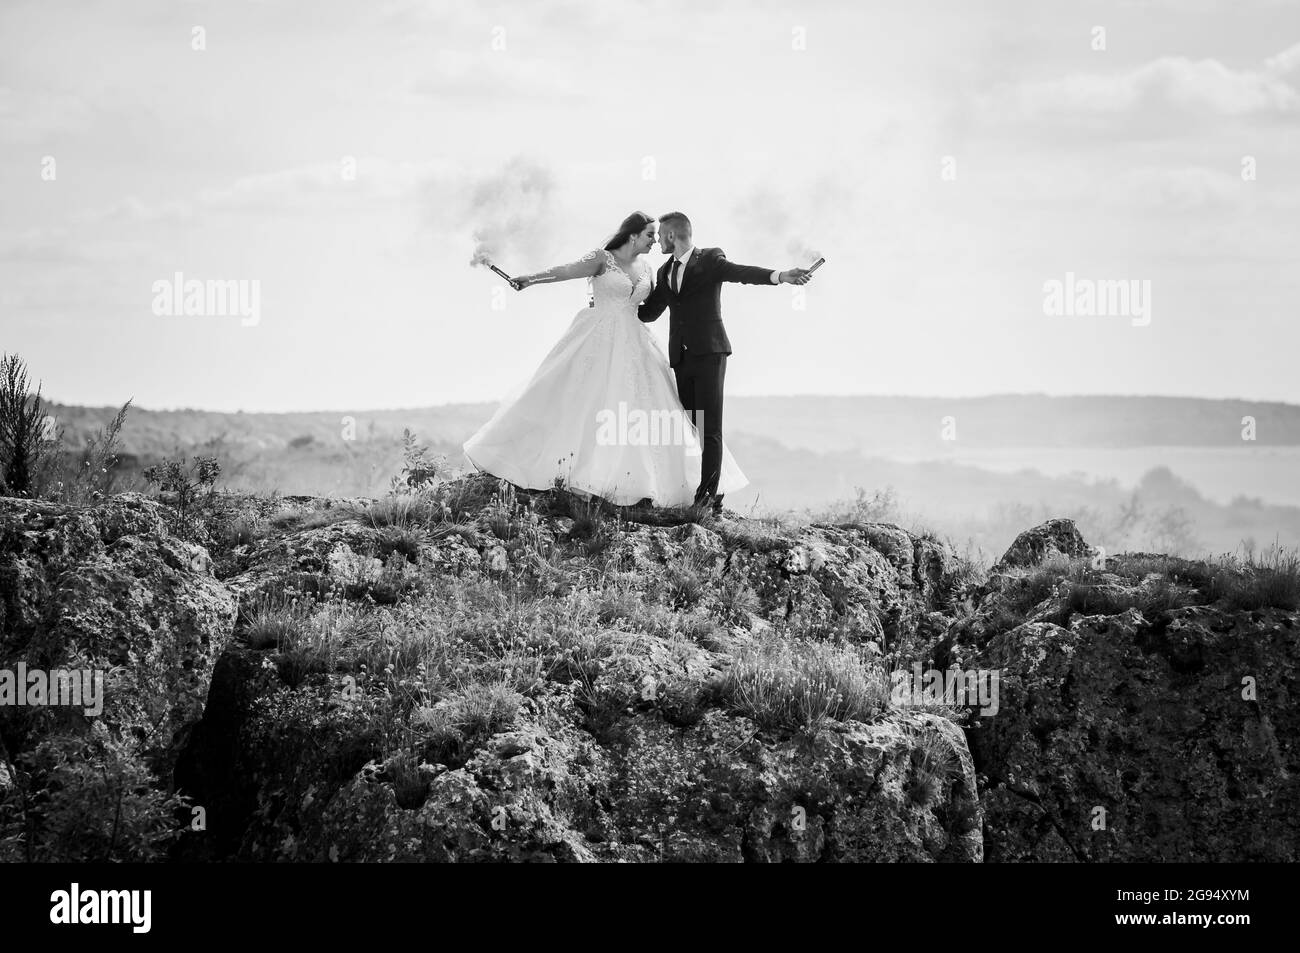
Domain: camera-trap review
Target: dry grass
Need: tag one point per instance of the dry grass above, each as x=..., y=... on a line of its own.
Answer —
x=796, y=684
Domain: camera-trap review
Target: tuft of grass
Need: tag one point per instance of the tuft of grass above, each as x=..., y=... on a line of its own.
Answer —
x=683, y=584
x=880, y=506
x=1193, y=573
x=1252, y=581
x=801, y=685
x=759, y=535
x=1029, y=587
x=592, y=527
x=405, y=540
x=738, y=599
x=295, y=519
x=275, y=621
x=467, y=717
x=1269, y=580
x=243, y=530
x=405, y=511
x=933, y=762
x=465, y=498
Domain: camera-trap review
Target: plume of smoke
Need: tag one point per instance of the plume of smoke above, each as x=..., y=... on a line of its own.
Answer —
x=781, y=223
x=772, y=228
x=509, y=210
x=802, y=252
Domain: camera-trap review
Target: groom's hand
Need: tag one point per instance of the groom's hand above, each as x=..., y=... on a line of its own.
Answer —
x=796, y=276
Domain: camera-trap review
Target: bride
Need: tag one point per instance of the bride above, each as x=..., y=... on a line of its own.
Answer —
x=601, y=413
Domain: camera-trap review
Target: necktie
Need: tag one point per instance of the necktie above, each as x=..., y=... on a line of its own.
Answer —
x=672, y=279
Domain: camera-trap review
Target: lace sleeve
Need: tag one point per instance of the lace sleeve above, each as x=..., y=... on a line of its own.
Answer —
x=589, y=265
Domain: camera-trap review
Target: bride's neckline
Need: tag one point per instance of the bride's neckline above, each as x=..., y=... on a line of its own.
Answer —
x=630, y=277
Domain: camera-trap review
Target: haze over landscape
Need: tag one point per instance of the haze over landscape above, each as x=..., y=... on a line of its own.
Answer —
x=1199, y=486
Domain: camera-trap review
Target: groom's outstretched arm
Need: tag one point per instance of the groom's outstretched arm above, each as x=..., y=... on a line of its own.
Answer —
x=743, y=274
x=654, y=305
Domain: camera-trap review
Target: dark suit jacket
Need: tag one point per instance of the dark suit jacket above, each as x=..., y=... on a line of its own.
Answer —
x=695, y=315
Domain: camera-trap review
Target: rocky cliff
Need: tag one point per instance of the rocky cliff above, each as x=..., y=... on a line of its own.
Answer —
x=470, y=673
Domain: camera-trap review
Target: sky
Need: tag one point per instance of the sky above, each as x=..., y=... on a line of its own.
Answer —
x=949, y=159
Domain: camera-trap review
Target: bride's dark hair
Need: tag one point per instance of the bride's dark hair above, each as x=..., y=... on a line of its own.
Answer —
x=632, y=225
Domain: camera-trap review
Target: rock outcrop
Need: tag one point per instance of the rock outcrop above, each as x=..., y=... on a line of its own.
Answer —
x=1141, y=718
x=109, y=589
x=497, y=676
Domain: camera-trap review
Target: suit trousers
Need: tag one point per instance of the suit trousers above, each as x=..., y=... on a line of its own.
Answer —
x=699, y=387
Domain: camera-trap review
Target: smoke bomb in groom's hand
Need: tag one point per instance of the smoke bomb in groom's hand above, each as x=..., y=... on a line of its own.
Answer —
x=815, y=265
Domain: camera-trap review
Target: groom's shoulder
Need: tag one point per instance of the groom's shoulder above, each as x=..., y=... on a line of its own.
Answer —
x=713, y=253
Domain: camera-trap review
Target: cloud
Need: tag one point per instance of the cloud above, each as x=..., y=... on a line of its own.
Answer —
x=488, y=76
x=367, y=178
x=1286, y=61
x=1168, y=88
x=34, y=117
x=1189, y=189
x=63, y=245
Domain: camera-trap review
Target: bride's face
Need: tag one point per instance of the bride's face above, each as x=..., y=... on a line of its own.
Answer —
x=646, y=240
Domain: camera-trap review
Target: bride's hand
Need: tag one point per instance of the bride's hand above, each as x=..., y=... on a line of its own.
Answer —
x=520, y=283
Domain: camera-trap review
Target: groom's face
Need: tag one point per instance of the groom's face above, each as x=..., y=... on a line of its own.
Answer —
x=666, y=240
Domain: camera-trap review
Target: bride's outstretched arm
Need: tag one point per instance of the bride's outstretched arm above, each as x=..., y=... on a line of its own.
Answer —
x=587, y=266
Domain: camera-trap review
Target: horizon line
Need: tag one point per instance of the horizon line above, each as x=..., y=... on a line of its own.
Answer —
x=797, y=396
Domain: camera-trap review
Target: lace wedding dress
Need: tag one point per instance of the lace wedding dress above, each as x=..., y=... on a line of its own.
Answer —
x=601, y=413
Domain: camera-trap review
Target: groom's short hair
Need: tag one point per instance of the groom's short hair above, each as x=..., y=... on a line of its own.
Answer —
x=678, y=222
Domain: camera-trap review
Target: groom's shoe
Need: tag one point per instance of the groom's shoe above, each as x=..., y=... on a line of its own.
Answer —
x=709, y=502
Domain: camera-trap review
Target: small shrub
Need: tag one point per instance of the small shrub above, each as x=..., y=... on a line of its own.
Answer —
x=420, y=467
x=24, y=441
x=85, y=799
x=172, y=476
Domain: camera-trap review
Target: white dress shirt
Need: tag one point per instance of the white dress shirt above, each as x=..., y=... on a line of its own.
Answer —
x=684, y=257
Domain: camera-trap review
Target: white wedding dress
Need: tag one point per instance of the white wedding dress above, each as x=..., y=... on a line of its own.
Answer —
x=601, y=413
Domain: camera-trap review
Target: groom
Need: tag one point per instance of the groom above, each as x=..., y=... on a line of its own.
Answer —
x=689, y=285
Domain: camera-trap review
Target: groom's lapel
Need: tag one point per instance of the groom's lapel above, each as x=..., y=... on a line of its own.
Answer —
x=693, y=265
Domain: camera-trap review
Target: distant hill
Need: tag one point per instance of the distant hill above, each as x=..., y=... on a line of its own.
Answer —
x=871, y=425
x=876, y=425
x=814, y=453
